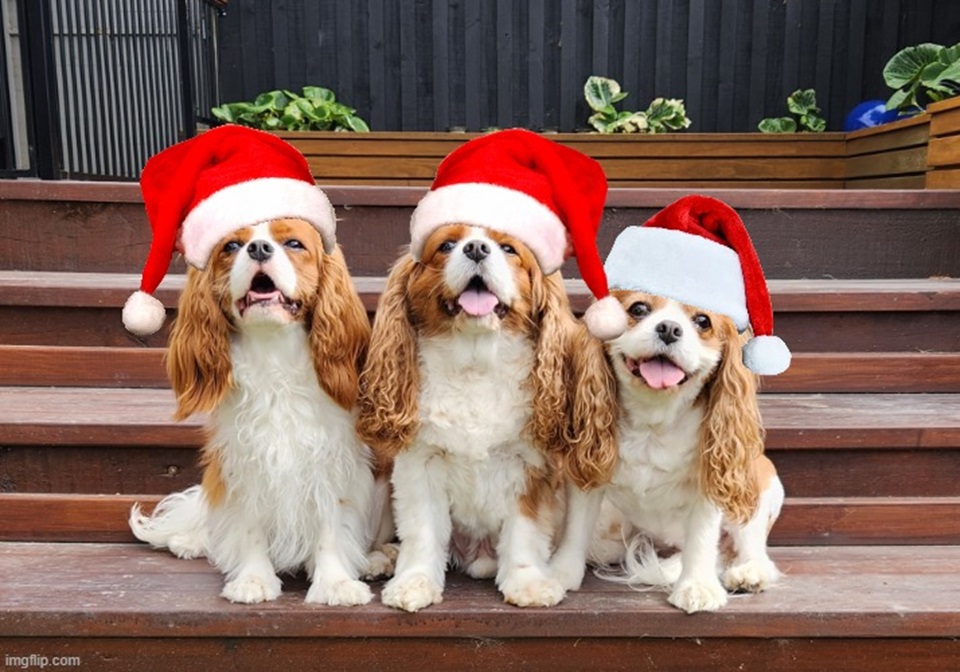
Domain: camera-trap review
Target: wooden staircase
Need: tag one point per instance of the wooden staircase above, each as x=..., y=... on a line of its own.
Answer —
x=864, y=428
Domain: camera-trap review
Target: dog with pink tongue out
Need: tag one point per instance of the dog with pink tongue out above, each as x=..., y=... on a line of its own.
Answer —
x=691, y=474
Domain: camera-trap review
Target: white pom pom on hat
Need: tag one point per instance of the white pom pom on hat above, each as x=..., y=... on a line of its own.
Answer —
x=697, y=251
x=199, y=190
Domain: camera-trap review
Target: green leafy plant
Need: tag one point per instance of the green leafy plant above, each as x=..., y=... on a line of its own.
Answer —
x=316, y=110
x=923, y=73
x=602, y=93
x=803, y=105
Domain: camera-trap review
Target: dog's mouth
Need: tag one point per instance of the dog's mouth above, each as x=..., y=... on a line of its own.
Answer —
x=659, y=373
x=263, y=293
x=476, y=300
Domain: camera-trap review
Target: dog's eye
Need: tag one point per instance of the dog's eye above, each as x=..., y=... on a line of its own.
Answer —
x=702, y=321
x=639, y=309
x=294, y=244
x=509, y=249
x=232, y=246
x=447, y=246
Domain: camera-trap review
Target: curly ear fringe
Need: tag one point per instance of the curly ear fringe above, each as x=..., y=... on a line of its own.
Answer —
x=592, y=435
x=339, y=332
x=198, y=358
x=390, y=382
x=732, y=436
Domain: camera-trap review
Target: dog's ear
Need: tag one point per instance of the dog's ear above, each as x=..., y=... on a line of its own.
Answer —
x=390, y=381
x=592, y=448
x=550, y=376
x=339, y=331
x=732, y=433
x=198, y=358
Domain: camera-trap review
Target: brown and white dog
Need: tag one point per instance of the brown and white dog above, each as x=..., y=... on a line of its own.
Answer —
x=269, y=340
x=691, y=473
x=479, y=385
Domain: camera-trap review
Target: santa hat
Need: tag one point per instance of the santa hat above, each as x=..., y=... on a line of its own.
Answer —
x=697, y=251
x=548, y=196
x=199, y=190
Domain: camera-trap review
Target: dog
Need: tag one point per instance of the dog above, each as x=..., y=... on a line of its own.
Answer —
x=691, y=473
x=481, y=388
x=269, y=340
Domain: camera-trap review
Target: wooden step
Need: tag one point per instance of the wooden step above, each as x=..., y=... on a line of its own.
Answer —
x=69, y=366
x=910, y=315
x=102, y=227
x=118, y=606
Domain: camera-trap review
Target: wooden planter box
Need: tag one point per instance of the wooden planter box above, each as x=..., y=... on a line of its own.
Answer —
x=943, y=157
x=688, y=160
x=890, y=156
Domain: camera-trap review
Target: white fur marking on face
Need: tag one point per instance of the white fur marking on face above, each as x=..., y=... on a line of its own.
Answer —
x=494, y=270
x=278, y=267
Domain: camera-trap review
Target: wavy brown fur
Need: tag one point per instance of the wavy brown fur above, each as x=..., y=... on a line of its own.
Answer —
x=732, y=434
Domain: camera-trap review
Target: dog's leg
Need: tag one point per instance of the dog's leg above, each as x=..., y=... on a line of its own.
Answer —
x=570, y=559
x=523, y=552
x=422, y=514
x=241, y=552
x=699, y=588
x=752, y=570
x=337, y=562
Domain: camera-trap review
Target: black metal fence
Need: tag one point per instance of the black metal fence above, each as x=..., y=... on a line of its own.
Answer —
x=438, y=64
x=109, y=81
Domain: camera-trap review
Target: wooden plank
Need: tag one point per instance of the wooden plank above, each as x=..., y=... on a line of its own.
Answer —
x=893, y=127
x=868, y=372
x=901, y=182
x=904, y=161
x=894, y=137
x=944, y=117
x=387, y=654
x=82, y=366
x=72, y=366
x=944, y=151
x=943, y=179
x=866, y=520
x=85, y=591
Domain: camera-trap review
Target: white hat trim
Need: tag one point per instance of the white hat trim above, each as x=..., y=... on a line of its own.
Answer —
x=681, y=266
x=246, y=203
x=495, y=207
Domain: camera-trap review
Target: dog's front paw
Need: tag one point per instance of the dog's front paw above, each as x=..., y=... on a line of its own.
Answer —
x=536, y=592
x=412, y=592
x=693, y=596
x=568, y=573
x=251, y=589
x=346, y=593
x=752, y=576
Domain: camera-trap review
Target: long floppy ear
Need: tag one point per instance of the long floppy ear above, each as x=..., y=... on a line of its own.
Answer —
x=592, y=436
x=198, y=358
x=339, y=331
x=732, y=435
x=550, y=376
x=390, y=382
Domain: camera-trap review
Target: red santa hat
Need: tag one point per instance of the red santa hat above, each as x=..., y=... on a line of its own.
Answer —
x=698, y=251
x=546, y=195
x=199, y=190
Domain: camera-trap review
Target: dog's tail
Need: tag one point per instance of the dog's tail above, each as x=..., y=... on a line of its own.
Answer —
x=643, y=567
x=178, y=523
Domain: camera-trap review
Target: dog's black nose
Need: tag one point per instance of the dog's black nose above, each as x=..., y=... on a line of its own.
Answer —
x=260, y=250
x=669, y=331
x=477, y=250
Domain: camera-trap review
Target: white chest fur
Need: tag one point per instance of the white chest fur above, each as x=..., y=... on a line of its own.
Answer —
x=289, y=452
x=656, y=481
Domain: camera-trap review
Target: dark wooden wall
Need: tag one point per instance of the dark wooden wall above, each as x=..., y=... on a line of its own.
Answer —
x=440, y=64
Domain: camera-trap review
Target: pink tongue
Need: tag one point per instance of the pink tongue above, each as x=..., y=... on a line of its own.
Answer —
x=661, y=374
x=478, y=302
x=257, y=297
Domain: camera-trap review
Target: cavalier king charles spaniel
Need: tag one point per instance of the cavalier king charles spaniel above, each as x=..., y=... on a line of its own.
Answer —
x=691, y=473
x=269, y=340
x=481, y=387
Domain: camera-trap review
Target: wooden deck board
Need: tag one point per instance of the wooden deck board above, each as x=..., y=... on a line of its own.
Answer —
x=59, y=590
